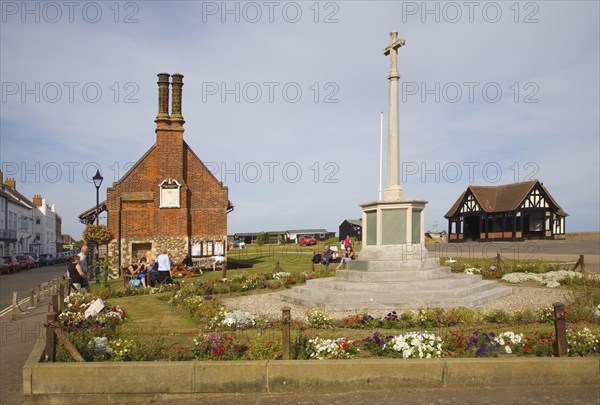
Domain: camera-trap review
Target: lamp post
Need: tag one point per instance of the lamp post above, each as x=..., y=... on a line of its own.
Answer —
x=97, y=183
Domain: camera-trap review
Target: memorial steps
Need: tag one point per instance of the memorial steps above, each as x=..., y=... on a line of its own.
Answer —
x=395, y=285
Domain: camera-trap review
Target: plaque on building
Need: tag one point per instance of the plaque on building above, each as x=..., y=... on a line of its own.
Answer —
x=169, y=194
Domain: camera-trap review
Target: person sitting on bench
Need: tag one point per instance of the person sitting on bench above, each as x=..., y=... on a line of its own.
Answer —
x=327, y=256
x=138, y=272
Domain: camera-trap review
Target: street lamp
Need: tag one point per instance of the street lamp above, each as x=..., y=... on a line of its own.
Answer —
x=97, y=183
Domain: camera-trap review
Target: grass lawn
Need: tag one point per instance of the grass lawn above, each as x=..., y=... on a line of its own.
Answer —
x=151, y=317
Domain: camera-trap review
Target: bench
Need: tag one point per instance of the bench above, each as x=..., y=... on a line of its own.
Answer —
x=127, y=276
x=182, y=270
x=206, y=263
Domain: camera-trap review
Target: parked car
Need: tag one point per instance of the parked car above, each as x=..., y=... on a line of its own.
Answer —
x=3, y=266
x=13, y=263
x=47, y=258
x=36, y=258
x=306, y=240
x=26, y=262
x=43, y=260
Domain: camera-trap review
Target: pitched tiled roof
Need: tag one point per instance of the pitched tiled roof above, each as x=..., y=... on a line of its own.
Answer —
x=503, y=198
x=354, y=221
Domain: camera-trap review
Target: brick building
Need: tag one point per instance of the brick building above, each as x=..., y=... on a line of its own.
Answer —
x=168, y=199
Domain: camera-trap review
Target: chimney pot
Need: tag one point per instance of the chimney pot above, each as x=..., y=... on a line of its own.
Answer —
x=177, y=84
x=163, y=97
x=10, y=182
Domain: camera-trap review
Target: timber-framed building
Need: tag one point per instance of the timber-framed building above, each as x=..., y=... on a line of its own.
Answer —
x=510, y=212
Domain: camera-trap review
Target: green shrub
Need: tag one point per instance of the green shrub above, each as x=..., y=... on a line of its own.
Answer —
x=523, y=316
x=318, y=318
x=583, y=342
x=261, y=238
x=264, y=347
x=496, y=316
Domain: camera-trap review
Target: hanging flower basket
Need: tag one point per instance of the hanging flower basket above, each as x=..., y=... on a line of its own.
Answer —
x=97, y=233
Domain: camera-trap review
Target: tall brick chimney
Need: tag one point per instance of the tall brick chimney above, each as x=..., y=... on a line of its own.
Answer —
x=37, y=200
x=163, y=98
x=177, y=84
x=170, y=153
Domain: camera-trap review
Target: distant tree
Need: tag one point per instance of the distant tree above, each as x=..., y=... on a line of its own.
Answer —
x=78, y=244
x=261, y=238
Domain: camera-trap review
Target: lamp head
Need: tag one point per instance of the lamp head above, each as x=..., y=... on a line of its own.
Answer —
x=97, y=179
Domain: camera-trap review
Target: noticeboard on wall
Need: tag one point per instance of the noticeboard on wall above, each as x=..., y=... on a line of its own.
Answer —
x=203, y=248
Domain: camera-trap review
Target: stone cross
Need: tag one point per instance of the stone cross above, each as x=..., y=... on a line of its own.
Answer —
x=393, y=190
x=392, y=50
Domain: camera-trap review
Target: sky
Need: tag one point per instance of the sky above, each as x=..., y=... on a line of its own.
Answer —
x=282, y=101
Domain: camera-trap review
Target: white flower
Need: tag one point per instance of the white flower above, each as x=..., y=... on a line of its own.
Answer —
x=415, y=344
x=281, y=274
x=237, y=318
x=550, y=279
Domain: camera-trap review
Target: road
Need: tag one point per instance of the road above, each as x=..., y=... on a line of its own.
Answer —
x=559, y=250
x=24, y=281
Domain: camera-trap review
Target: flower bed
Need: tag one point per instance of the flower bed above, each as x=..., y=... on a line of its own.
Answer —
x=551, y=279
x=239, y=335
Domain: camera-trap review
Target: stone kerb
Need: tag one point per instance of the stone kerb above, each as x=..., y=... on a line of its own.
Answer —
x=125, y=381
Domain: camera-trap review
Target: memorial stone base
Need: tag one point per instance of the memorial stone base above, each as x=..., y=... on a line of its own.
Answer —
x=394, y=276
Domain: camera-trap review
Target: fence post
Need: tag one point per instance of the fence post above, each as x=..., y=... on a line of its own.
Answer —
x=14, y=306
x=32, y=302
x=224, y=264
x=561, y=345
x=61, y=298
x=55, y=304
x=285, y=333
x=50, y=350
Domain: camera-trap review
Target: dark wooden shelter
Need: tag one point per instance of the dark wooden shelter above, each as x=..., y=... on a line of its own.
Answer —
x=513, y=212
x=352, y=228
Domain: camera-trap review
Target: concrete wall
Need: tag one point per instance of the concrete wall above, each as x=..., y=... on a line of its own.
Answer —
x=122, y=382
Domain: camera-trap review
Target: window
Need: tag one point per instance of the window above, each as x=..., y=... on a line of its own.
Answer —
x=37, y=221
x=24, y=224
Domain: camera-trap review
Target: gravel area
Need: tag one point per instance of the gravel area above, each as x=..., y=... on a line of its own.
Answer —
x=268, y=304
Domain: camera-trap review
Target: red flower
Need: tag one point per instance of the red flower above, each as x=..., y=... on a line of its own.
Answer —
x=527, y=349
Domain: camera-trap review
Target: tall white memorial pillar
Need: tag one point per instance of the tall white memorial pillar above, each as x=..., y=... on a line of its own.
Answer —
x=393, y=228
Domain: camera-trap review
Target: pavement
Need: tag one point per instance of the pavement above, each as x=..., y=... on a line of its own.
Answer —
x=18, y=336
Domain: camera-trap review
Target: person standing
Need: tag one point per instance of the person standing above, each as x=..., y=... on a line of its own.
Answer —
x=164, y=266
x=347, y=243
x=84, y=266
x=83, y=258
x=76, y=274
